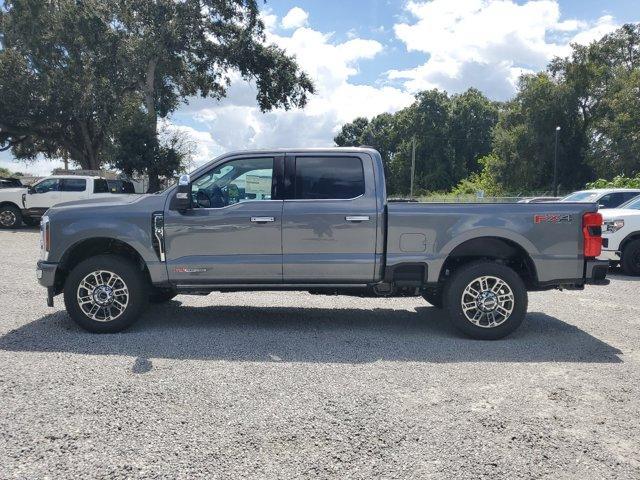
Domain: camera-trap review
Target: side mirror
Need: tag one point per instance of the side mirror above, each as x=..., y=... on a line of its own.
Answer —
x=183, y=197
x=31, y=190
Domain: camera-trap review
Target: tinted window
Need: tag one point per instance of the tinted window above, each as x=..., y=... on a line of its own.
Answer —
x=629, y=195
x=612, y=200
x=121, y=186
x=329, y=177
x=73, y=185
x=48, y=185
x=127, y=187
x=234, y=182
x=100, y=186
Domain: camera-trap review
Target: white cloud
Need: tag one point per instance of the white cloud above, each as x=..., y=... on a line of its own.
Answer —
x=602, y=26
x=295, y=18
x=39, y=168
x=486, y=43
x=236, y=122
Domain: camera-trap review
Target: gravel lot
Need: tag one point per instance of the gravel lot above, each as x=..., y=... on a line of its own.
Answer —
x=283, y=385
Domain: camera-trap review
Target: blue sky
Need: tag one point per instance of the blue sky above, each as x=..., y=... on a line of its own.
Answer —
x=372, y=56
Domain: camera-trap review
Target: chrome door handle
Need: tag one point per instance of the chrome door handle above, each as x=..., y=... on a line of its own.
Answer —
x=262, y=219
x=357, y=218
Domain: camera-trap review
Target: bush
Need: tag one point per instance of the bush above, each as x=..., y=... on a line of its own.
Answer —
x=619, y=181
x=486, y=180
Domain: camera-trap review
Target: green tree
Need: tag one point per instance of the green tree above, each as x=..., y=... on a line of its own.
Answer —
x=61, y=78
x=352, y=134
x=66, y=68
x=451, y=134
x=473, y=117
x=524, y=138
x=181, y=49
x=603, y=78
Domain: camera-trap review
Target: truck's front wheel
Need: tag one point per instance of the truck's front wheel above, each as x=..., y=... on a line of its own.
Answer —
x=105, y=294
x=486, y=300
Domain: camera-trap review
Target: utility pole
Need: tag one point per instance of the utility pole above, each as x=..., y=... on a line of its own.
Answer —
x=413, y=166
x=555, y=166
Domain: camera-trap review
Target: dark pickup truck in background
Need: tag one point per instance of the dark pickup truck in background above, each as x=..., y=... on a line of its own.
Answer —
x=316, y=220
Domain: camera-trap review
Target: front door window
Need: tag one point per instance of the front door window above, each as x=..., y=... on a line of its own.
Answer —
x=234, y=182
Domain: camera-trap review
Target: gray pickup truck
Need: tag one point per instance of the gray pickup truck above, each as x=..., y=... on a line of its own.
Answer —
x=316, y=220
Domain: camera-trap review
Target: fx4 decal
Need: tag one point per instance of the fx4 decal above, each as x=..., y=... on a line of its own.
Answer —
x=553, y=218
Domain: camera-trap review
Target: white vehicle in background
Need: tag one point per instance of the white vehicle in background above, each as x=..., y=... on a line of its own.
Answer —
x=621, y=236
x=27, y=204
x=604, y=197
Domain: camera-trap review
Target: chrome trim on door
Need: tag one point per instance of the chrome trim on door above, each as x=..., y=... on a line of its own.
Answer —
x=357, y=218
x=262, y=219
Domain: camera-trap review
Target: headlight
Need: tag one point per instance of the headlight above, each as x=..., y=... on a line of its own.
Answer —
x=45, y=238
x=612, y=226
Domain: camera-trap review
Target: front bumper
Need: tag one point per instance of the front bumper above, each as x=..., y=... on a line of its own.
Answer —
x=46, y=273
x=595, y=272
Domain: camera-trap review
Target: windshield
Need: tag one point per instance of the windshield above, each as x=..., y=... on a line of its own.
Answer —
x=634, y=203
x=580, y=197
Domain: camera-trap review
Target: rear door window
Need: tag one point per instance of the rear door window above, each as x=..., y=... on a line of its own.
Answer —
x=100, y=185
x=328, y=178
x=73, y=185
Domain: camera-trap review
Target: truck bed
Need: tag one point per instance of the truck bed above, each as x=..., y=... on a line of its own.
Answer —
x=550, y=233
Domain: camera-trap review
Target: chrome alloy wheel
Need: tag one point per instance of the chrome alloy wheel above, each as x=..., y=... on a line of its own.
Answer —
x=102, y=296
x=487, y=301
x=7, y=218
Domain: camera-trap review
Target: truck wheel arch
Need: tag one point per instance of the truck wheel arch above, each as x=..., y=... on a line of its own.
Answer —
x=497, y=248
x=13, y=204
x=629, y=238
x=90, y=247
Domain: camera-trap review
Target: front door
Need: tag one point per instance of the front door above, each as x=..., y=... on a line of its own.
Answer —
x=329, y=220
x=43, y=195
x=233, y=233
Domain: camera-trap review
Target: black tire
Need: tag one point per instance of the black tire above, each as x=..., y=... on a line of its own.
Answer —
x=10, y=216
x=30, y=221
x=434, y=297
x=130, y=275
x=631, y=258
x=464, y=277
x=161, y=295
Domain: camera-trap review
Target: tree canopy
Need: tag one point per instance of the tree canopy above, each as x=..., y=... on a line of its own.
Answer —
x=451, y=134
x=466, y=141
x=67, y=67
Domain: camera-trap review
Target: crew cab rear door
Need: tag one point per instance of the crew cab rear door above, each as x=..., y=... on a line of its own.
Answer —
x=329, y=221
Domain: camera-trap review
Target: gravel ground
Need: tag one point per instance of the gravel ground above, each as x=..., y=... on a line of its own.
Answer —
x=283, y=385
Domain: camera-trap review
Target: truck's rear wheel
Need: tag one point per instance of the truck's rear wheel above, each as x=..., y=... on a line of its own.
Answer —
x=10, y=216
x=631, y=258
x=486, y=300
x=105, y=294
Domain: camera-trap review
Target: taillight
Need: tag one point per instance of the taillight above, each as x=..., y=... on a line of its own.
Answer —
x=592, y=233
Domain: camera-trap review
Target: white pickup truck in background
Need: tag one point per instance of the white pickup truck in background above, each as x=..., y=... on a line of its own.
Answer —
x=27, y=204
x=621, y=236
